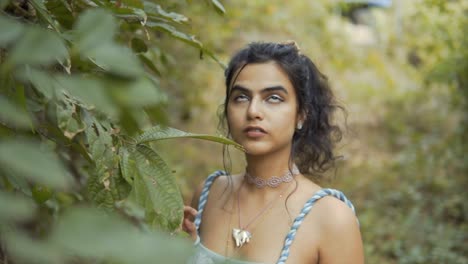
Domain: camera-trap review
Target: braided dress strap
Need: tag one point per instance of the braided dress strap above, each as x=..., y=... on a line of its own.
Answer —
x=300, y=218
x=204, y=195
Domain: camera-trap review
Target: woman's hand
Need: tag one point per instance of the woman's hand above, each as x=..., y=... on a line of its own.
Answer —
x=188, y=224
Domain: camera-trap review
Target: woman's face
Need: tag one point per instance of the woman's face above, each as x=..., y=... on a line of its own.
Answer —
x=262, y=109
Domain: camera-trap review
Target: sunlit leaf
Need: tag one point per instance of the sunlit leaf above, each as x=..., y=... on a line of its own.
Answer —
x=12, y=114
x=161, y=133
x=155, y=9
x=38, y=46
x=15, y=207
x=218, y=7
x=175, y=33
x=34, y=162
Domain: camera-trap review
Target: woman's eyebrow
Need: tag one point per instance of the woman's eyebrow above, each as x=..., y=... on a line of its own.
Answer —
x=274, y=89
x=240, y=88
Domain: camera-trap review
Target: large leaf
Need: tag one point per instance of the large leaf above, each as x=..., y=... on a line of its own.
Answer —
x=154, y=188
x=42, y=81
x=139, y=93
x=116, y=59
x=34, y=162
x=38, y=46
x=89, y=232
x=161, y=133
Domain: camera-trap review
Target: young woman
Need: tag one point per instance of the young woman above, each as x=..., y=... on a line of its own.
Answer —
x=279, y=107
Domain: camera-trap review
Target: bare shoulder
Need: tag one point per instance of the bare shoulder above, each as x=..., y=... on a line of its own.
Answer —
x=340, y=237
x=219, y=186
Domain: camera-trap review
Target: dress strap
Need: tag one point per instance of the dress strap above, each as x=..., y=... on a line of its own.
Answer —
x=300, y=218
x=204, y=195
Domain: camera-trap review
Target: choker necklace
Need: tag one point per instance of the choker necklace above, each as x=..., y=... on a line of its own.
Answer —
x=274, y=181
x=241, y=235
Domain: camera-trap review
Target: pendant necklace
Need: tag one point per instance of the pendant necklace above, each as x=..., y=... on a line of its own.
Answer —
x=241, y=235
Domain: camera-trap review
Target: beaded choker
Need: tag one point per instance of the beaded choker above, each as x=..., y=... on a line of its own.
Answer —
x=274, y=181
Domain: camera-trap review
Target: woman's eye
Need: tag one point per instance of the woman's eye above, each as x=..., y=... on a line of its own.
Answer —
x=241, y=98
x=275, y=98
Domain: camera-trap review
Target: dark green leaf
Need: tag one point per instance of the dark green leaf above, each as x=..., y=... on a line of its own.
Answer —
x=127, y=166
x=161, y=133
x=148, y=63
x=34, y=162
x=138, y=45
x=42, y=81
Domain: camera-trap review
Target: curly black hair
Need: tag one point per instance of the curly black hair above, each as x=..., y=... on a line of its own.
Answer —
x=312, y=148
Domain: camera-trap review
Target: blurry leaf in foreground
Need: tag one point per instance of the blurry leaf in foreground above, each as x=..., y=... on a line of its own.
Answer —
x=13, y=115
x=94, y=28
x=14, y=207
x=29, y=250
x=10, y=29
x=38, y=46
x=27, y=158
x=90, y=232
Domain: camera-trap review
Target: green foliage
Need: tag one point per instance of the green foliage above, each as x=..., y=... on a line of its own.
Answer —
x=79, y=82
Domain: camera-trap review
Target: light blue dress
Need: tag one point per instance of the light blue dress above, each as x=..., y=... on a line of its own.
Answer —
x=206, y=256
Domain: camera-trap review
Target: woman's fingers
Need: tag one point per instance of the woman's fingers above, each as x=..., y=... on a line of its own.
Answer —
x=188, y=225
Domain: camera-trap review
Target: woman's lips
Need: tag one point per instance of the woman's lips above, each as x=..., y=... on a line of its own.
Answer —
x=254, y=132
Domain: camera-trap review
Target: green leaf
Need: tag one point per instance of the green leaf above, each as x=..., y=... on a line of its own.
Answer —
x=42, y=81
x=218, y=7
x=38, y=46
x=161, y=133
x=127, y=166
x=24, y=249
x=148, y=63
x=138, y=45
x=11, y=30
x=43, y=14
x=89, y=232
x=116, y=59
x=94, y=28
x=133, y=3
x=155, y=188
x=175, y=33
x=89, y=91
x=67, y=119
x=14, y=207
x=153, y=9
x=140, y=93
x=13, y=115
x=34, y=162
x=3, y=4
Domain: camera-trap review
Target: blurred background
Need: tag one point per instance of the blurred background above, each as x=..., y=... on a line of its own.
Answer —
x=399, y=68
x=84, y=85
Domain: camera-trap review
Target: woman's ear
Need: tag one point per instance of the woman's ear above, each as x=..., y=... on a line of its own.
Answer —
x=300, y=120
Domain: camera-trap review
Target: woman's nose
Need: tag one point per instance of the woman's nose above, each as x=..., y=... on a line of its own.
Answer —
x=255, y=110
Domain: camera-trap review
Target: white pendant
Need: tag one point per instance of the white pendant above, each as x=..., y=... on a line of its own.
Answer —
x=241, y=236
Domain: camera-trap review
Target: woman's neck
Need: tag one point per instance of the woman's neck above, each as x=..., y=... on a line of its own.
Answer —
x=267, y=166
